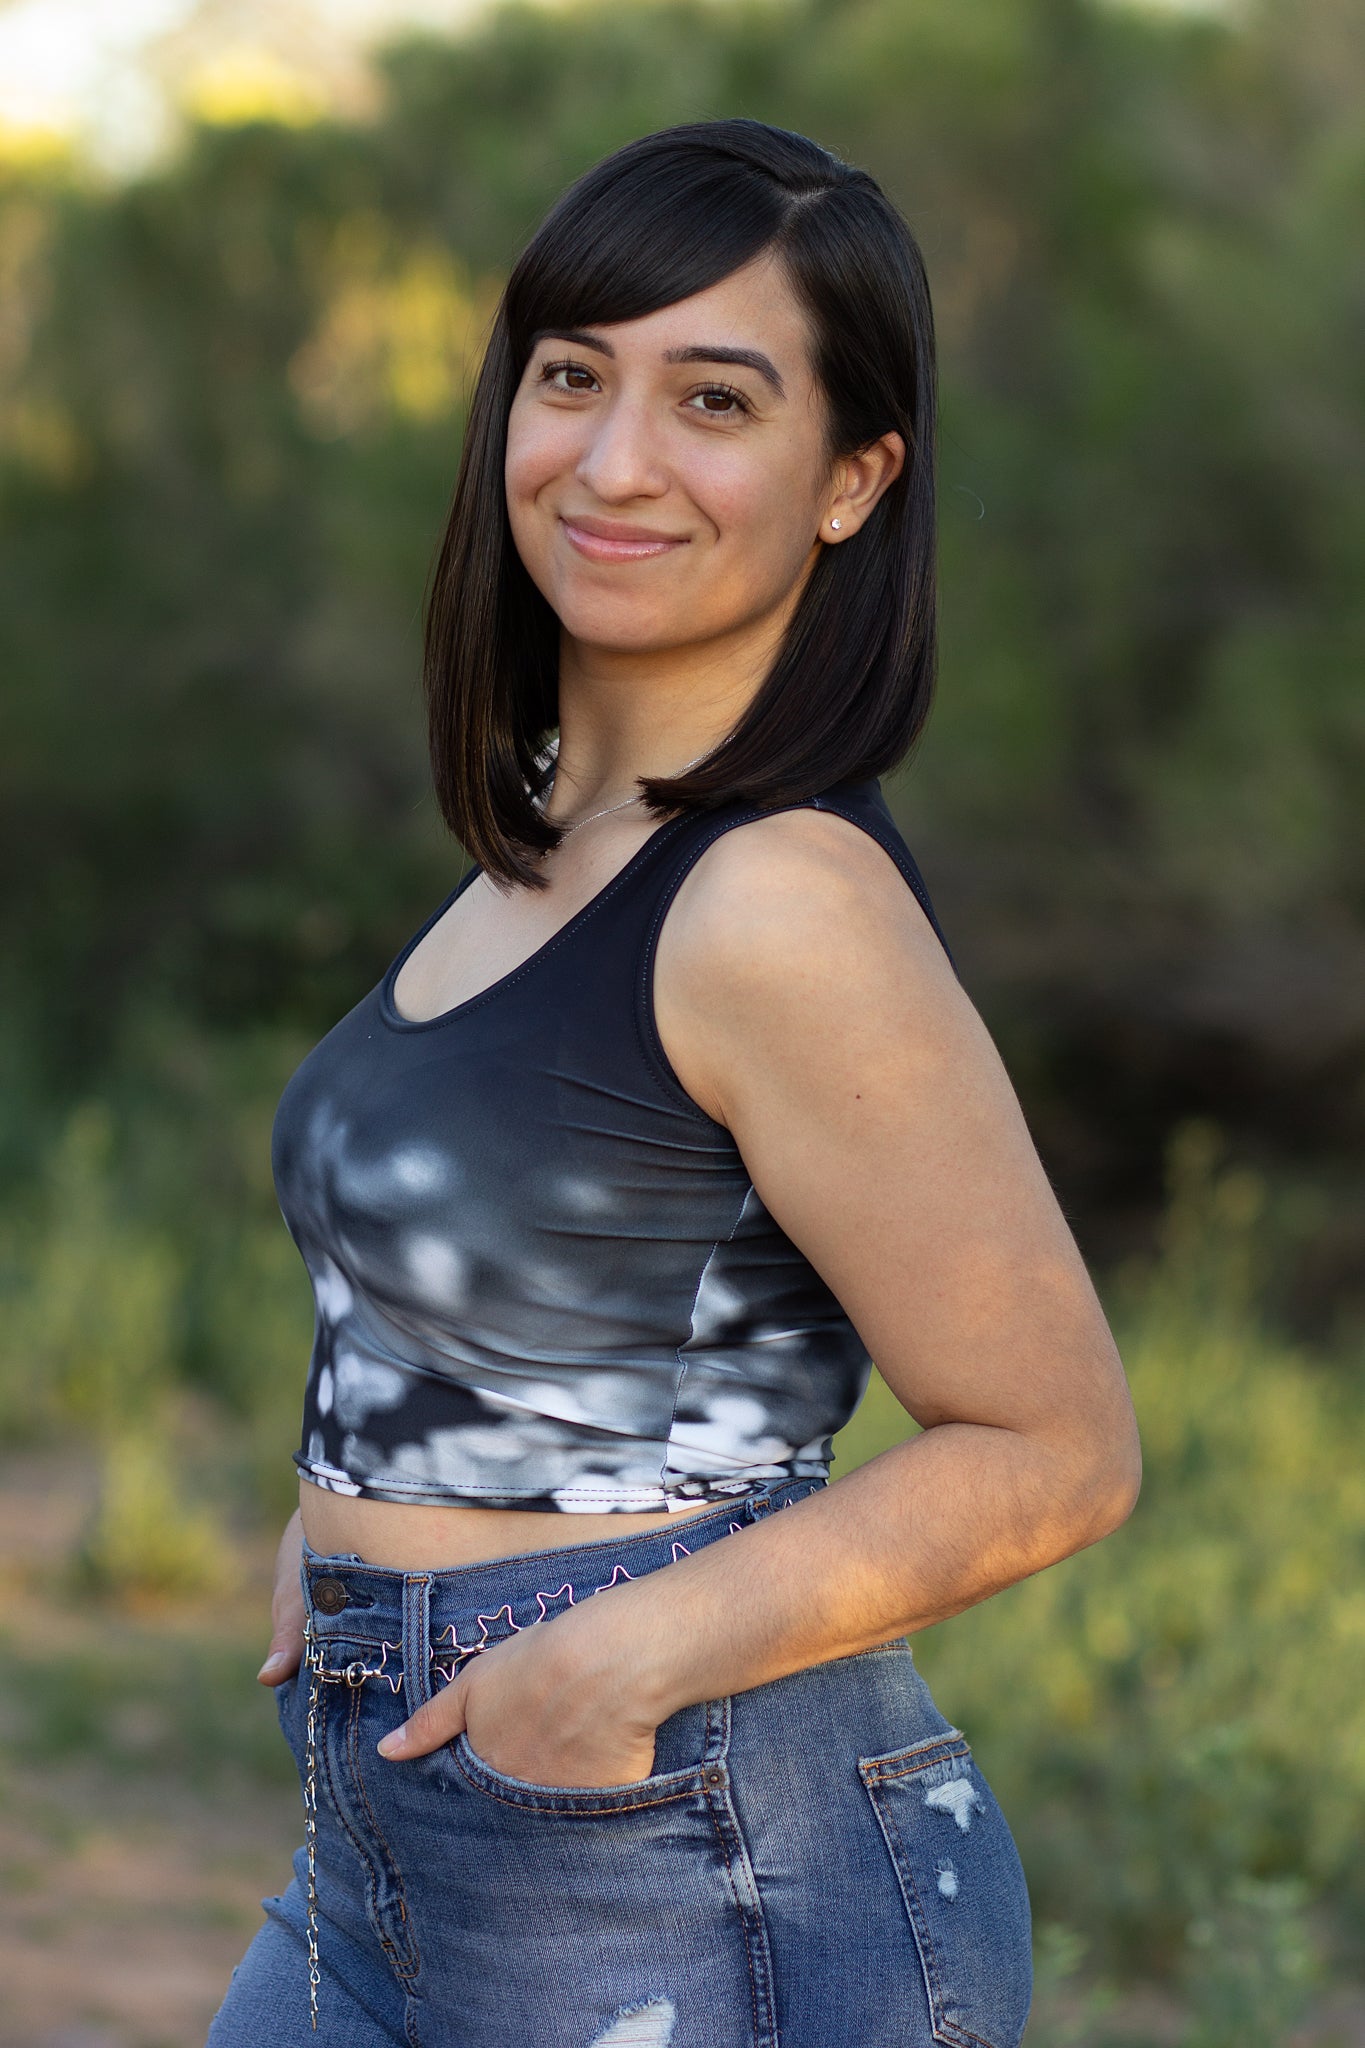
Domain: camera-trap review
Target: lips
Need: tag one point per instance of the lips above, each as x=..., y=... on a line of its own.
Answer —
x=610, y=540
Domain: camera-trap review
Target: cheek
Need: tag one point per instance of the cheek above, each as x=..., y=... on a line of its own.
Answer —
x=764, y=513
x=536, y=457
x=540, y=448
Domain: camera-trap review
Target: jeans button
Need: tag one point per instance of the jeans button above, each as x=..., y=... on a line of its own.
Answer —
x=330, y=1595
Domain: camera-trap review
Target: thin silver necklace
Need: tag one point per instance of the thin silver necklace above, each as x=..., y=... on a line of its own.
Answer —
x=609, y=808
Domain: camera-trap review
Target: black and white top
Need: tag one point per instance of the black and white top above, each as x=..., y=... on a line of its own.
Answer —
x=543, y=1277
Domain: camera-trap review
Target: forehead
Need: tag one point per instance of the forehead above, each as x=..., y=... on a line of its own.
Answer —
x=754, y=307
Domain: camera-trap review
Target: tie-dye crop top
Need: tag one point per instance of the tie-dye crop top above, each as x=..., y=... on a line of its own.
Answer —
x=543, y=1278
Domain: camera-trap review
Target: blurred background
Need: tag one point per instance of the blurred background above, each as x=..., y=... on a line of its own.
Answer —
x=247, y=253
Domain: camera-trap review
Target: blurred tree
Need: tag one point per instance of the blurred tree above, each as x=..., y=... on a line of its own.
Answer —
x=230, y=403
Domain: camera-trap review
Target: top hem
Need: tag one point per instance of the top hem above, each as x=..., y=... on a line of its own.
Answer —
x=563, y=1500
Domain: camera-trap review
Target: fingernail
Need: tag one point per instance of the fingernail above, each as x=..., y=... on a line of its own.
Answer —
x=272, y=1663
x=392, y=1745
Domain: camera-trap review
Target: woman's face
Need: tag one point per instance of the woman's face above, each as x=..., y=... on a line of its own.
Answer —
x=667, y=477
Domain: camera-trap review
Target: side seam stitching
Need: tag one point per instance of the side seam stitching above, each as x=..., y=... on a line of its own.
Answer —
x=691, y=1330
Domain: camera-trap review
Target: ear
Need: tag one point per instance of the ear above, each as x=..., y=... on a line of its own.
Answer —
x=858, y=483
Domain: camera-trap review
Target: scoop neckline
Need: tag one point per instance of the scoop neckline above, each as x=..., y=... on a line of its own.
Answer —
x=388, y=1008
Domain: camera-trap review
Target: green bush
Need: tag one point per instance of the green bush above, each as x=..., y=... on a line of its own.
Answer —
x=154, y=1311
x=146, y=1538
x=92, y=1322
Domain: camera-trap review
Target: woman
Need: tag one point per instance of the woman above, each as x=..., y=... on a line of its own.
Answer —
x=669, y=1118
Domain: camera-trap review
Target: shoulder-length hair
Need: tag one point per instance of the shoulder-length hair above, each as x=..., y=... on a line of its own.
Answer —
x=850, y=686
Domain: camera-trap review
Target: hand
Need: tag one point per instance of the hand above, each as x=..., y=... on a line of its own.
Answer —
x=551, y=1704
x=286, y=1609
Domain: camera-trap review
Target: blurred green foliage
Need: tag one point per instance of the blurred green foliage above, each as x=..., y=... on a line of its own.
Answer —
x=231, y=397
x=204, y=1723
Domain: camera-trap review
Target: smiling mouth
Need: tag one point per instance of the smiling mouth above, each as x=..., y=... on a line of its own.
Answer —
x=600, y=542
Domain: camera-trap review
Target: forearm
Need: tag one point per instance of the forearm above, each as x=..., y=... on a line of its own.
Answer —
x=919, y=1533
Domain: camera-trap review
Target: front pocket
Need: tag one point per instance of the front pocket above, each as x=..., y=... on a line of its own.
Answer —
x=687, y=1747
x=626, y=1893
x=963, y=1886
x=584, y=1799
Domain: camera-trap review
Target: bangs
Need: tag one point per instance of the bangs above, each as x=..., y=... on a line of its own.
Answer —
x=638, y=235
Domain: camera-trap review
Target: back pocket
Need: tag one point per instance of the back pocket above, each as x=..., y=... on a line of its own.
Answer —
x=963, y=1886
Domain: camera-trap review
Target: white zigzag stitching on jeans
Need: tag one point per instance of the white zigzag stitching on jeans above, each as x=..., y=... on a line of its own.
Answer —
x=357, y=1672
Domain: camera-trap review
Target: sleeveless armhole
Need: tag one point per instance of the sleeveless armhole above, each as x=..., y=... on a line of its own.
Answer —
x=881, y=828
x=884, y=830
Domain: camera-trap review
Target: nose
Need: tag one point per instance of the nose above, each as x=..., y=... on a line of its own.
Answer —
x=621, y=460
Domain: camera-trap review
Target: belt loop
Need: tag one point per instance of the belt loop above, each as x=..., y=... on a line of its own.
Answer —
x=416, y=1639
x=717, y=1731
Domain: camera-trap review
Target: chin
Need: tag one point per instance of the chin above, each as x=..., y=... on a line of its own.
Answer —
x=628, y=629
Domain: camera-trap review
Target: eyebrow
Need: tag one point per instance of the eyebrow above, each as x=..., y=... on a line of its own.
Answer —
x=741, y=358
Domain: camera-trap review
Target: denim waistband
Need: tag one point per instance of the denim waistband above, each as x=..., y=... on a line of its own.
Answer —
x=354, y=1607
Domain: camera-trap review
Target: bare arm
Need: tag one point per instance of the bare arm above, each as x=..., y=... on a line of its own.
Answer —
x=807, y=1005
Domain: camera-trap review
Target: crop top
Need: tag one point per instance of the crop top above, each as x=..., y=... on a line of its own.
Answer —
x=542, y=1276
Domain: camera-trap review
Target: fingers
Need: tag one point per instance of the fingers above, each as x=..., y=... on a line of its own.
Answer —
x=286, y=1610
x=285, y=1654
x=439, y=1721
x=283, y=1657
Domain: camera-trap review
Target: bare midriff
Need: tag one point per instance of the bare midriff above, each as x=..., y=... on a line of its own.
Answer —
x=424, y=1538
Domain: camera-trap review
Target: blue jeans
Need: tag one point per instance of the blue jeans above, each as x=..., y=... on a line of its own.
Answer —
x=814, y=1863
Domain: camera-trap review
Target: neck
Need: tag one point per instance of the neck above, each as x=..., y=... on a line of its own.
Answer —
x=624, y=713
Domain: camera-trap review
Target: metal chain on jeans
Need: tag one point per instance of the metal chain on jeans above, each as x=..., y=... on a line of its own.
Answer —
x=313, y=1659
x=354, y=1674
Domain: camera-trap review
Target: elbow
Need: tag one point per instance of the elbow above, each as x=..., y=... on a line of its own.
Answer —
x=1090, y=1475
x=1117, y=1498
x=1108, y=1487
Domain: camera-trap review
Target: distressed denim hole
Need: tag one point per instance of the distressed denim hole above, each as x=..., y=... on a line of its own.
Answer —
x=647, y=2026
x=957, y=1796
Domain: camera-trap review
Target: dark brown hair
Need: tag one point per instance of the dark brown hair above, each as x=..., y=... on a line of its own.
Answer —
x=849, y=690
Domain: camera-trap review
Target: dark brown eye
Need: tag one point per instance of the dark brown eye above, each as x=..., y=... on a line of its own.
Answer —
x=551, y=371
x=722, y=401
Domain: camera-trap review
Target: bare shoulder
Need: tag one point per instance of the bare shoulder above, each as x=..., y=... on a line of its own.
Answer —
x=788, y=932
x=797, y=890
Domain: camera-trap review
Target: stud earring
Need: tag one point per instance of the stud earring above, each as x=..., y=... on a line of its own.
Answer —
x=835, y=524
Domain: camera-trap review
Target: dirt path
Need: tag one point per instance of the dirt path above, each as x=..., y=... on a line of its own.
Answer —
x=129, y=1885
x=121, y=1925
